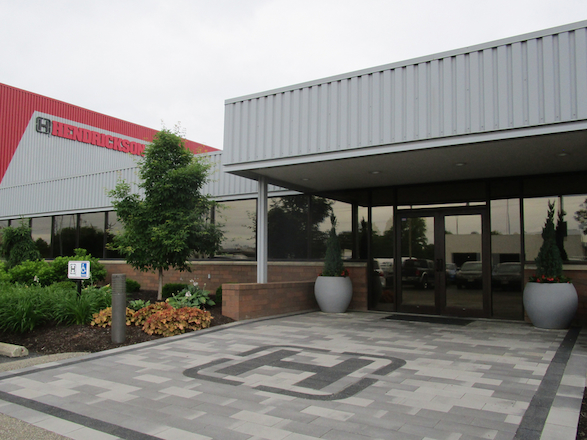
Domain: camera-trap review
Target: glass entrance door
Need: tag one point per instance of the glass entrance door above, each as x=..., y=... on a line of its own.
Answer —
x=444, y=262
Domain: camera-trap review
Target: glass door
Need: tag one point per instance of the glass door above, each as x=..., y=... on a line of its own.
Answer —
x=444, y=269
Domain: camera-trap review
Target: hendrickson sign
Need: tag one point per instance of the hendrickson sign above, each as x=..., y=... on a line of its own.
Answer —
x=67, y=131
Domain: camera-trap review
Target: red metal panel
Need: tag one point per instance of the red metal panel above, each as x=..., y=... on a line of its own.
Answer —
x=17, y=107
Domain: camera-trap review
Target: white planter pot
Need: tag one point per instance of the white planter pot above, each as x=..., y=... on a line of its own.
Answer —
x=333, y=294
x=550, y=305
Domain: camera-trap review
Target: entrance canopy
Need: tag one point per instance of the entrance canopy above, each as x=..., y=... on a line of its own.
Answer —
x=508, y=108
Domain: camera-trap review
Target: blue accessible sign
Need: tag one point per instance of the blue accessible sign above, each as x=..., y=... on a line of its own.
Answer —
x=78, y=270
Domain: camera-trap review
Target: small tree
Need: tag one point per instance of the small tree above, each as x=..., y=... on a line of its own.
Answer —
x=549, y=264
x=18, y=245
x=171, y=222
x=333, y=265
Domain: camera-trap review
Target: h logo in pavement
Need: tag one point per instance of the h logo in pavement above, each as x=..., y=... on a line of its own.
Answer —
x=304, y=372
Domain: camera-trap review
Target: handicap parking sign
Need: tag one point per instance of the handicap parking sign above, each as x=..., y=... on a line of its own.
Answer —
x=78, y=270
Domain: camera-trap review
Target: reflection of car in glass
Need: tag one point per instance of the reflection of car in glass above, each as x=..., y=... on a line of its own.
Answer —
x=451, y=273
x=379, y=273
x=470, y=275
x=418, y=272
x=507, y=275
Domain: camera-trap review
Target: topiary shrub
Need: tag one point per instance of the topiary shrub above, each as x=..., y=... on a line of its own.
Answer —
x=171, y=289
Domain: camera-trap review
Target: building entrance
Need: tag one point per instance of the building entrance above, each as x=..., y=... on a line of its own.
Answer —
x=443, y=262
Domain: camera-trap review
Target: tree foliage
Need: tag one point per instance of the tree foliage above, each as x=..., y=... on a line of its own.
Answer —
x=171, y=222
x=18, y=245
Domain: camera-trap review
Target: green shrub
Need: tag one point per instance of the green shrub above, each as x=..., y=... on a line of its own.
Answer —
x=191, y=296
x=17, y=245
x=4, y=277
x=65, y=285
x=60, y=266
x=138, y=304
x=132, y=286
x=71, y=308
x=23, y=308
x=171, y=289
x=29, y=272
x=218, y=295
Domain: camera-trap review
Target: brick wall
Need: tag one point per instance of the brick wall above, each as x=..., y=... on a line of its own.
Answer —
x=290, y=285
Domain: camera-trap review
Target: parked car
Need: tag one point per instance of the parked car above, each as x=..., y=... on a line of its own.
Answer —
x=418, y=272
x=507, y=275
x=379, y=273
x=451, y=273
x=470, y=275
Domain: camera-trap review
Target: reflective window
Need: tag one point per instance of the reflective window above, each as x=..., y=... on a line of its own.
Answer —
x=64, y=235
x=575, y=239
x=570, y=226
x=237, y=219
x=41, y=233
x=91, y=233
x=113, y=226
x=344, y=228
x=383, y=250
x=506, y=269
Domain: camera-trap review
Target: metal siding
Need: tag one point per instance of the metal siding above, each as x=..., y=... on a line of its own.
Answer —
x=529, y=82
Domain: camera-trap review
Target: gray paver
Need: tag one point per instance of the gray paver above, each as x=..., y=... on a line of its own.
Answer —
x=267, y=379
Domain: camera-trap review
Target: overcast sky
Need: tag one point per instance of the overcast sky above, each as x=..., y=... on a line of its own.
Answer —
x=157, y=62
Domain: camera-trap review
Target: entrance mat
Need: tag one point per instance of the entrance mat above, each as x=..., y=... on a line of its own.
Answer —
x=430, y=319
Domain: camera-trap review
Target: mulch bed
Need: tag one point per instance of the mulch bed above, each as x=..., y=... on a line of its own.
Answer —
x=51, y=339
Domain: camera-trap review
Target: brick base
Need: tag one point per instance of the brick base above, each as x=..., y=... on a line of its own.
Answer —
x=290, y=286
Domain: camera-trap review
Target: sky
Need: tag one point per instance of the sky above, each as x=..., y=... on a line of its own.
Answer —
x=160, y=63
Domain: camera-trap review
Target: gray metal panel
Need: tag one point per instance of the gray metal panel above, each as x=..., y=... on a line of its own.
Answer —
x=87, y=193
x=527, y=81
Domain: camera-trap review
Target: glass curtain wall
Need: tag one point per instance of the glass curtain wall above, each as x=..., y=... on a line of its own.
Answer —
x=64, y=235
x=570, y=223
x=41, y=234
x=237, y=219
x=113, y=226
x=91, y=233
x=506, y=258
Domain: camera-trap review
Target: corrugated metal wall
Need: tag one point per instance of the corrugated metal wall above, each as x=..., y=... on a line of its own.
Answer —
x=528, y=81
x=87, y=193
x=224, y=186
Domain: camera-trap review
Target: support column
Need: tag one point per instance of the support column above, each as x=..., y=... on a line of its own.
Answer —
x=262, y=231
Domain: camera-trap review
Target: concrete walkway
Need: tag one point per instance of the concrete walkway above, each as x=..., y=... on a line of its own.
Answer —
x=315, y=376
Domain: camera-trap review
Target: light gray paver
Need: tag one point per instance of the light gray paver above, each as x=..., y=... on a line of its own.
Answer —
x=311, y=376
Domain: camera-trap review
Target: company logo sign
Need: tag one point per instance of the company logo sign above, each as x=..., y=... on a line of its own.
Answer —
x=67, y=131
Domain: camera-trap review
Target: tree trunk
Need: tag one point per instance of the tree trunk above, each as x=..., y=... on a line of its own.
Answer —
x=160, y=289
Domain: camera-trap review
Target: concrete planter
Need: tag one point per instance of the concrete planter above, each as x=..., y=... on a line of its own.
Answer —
x=551, y=305
x=333, y=294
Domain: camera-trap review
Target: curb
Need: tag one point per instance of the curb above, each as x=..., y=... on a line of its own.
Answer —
x=12, y=351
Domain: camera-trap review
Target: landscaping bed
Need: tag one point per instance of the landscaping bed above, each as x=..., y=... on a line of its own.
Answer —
x=51, y=338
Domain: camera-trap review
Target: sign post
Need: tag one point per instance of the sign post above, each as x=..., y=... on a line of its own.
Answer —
x=79, y=270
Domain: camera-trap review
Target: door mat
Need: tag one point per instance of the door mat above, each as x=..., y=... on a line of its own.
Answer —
x=430, y=319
